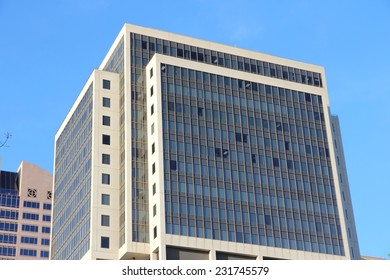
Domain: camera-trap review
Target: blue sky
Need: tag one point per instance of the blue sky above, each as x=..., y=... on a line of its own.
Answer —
x=49, y=48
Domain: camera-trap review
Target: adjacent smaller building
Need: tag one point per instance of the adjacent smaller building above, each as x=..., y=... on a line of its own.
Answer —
x=25, y=213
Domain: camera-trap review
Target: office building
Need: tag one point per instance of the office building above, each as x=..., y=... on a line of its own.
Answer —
x=25, y=213
x=179, y=148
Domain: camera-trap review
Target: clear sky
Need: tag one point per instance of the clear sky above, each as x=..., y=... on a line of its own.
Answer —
x=48, y=49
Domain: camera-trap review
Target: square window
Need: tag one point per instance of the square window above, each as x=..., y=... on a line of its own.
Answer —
x=106, y=120
x=153, y=148
x=105, y=220
x=105, y=158
x=105, y=179
x=106, y=139
x=105, y=242
x=152, y=109
x=106, y=102
x=106, y=84
x=105, y=199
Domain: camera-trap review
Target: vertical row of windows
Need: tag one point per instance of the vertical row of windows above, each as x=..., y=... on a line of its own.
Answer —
x=106, y=159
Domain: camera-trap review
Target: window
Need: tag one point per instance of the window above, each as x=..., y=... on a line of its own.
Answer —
x=44, y=254
x=151, y=91
x=29, y=240
x=105, y=242
x=106, y=84
x=225, y=153
x=106, y=139
x=47, y=206
x=106, y=102
x=28, y=252
x=9, y=214
x=151, y=72
x=46, y=218
x=276, y=162
x=30, y=216
x=105, y=220
x=45, y=241
x=106, y=120
x=105, y=179
x=105, y=159
x=154, y=188
x=171, y=106
x=200, y=111
x=152, y=109
x=45, y=229
x=267, y=220
x=153, y=148
x=7, y=239
x=155, y=232
x=153, y=168
x=154, y=210
x=30, y=228
x=31, y=204
x=152, y=128
x=173, y=165
x=105, y=199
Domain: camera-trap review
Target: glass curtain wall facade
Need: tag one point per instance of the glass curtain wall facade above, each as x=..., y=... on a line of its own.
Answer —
x=247, y=162
x=72, y=194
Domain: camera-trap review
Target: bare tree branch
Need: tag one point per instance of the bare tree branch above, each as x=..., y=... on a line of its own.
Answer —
x=7, y=136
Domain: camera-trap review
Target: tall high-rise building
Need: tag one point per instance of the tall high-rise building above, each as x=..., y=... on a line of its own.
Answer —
x=179, y=148
x=25, y=213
